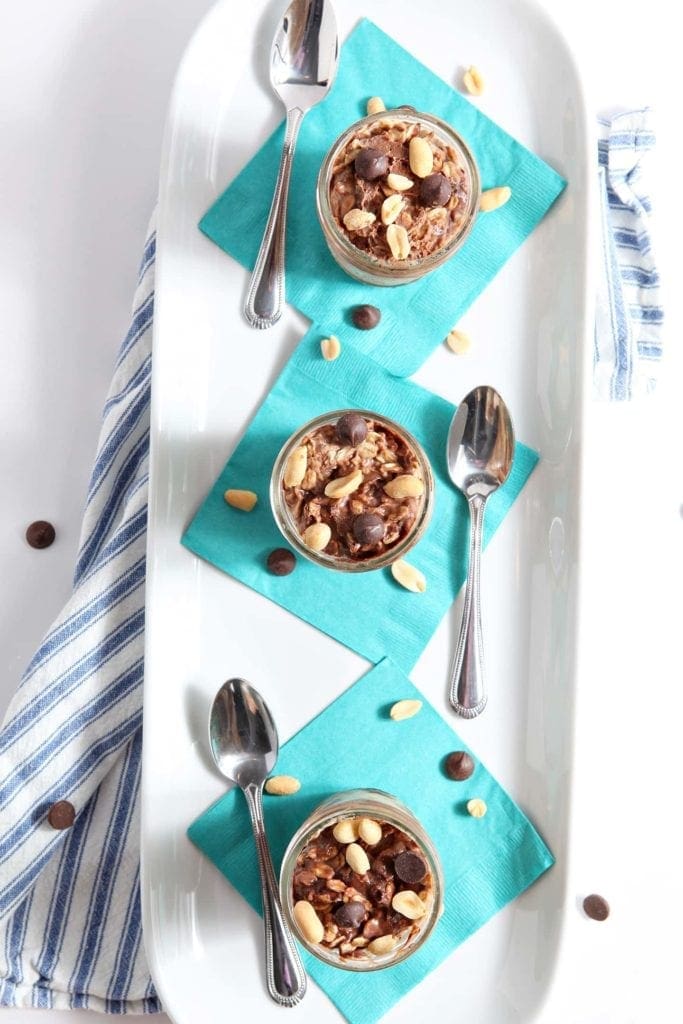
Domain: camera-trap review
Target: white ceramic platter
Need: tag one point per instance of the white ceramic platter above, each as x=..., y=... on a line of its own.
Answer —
x=211, y=371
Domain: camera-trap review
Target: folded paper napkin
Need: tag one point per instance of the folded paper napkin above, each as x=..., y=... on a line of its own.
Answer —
x=629, y=314
x=486, y=861
x=425, y=311
x=379, y=615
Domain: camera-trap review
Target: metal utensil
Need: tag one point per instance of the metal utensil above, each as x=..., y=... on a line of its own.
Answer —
x=481, y=446
x=303, y=65
x=244, y=744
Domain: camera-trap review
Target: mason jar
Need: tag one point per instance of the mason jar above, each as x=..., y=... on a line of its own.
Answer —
x=365, y=266
x=384, y=809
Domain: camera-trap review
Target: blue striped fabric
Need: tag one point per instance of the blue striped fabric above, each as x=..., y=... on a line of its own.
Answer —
x=629, y=317
x=70, y=921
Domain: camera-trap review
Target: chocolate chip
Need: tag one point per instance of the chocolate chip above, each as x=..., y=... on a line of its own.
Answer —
x=459, y=765
x=371, y=163
x=350, y=915
x=351, y=429
x=435, y=190
x=281, y=562
x=368, y=528
x=596, y=907
x=366, y=317
x=61, y=815
x=40, y=534
x=410, y=868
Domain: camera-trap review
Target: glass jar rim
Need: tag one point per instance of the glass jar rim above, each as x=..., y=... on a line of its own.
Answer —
x=287, y=527
x=439, y=256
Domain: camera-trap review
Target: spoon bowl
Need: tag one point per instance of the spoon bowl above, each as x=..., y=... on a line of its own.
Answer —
x=480, y=451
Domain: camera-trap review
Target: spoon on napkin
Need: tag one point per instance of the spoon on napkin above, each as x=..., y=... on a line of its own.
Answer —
x=244, y=745
x=481, y=444
x=303, y=65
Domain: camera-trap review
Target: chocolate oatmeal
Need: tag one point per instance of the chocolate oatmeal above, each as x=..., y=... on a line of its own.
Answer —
x=397, y=191
x=369, y=895
x=354, y=489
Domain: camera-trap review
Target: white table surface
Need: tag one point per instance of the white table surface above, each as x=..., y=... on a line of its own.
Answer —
x=84, y=89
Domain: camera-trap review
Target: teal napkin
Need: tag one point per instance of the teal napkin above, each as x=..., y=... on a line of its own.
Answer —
x=415, y=317
x=369, y=612
x=353, y=743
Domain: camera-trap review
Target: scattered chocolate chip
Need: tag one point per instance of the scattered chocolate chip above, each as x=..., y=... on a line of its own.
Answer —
x=371, y=163
x=40, y=534
x=596, y=907
x=281, y=562
x=435, y=190
x=351, y=429
x=459, y=765
x=368, y=528
x=410, y=868
x=349, y=915
x=61, y=815
x=366, y=317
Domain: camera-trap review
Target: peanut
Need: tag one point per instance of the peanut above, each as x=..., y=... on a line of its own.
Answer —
x=375, y=104
x=408, y=576
x=346, y=830
x=309, y=923
x=399, y=182
x=391, y=207
x=370, y=831
x=404, y=486
x=458, y=342
x=295, y=470
x=357, y=859
x=317, y=536
x=420, y=156
x=493, y=198
x=382, y=944
x=243, y=500
x=330, y=348
x=398, y=241
x=282, y=785
x=476, y=807
x=473, y=81
x=404, y=709
x=409, y=904
x=357, y=220
x=344, y=485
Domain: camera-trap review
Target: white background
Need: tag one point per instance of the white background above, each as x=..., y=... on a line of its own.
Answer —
x=84, y=86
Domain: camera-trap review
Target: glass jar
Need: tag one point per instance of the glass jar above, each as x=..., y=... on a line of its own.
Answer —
x=289, y=528
x=371, y=269
x=383, y=808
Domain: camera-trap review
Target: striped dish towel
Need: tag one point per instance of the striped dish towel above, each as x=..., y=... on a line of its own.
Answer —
x=629, y=316
x=70, y=924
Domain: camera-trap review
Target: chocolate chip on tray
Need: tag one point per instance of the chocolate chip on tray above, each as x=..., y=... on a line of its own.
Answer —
x=40, y=534
x=368, y=528
x=459, y=766
x=371, y=163
x=435, y=190
x=366, y=317
x=410, y=867
x=281, y=562
x=351, y=428
x=596, y=907
x=61, y=815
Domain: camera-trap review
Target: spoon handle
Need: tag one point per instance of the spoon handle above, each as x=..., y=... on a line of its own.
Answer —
x=284, y=971
x=467, y=694
x=266, y=295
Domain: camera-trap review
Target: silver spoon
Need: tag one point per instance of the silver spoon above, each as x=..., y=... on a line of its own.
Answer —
x=244, y=745
x=481, y=445
x=303, y=64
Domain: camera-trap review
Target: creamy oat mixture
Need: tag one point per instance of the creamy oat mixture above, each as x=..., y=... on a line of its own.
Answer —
x=397, y=191
x=354, y=489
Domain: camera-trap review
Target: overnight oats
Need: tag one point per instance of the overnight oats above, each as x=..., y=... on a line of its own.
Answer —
x=352, y=490
x=361, y=882
x=397, y=196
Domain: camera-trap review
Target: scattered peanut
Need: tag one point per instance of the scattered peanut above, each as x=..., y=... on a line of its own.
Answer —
x=476, y=807
x=409, y=904
x=375, y=104
x=357, y=859
x=458, y=342
x=473, y=81
x=493, y=198
x=330, y=348
x=344, y=485
x=282, y=785
x=398, y=241
x=308, y=921
x=370, y=831
x=295, y=470
x=391, y=207
x=243, y=500
x=399, y=182
x=382, y=944
x=346, y=830
x=357, y=220
x=420, y=156
x=404, y=486
x=317, y=536
x=408, y=576
x=404, y=709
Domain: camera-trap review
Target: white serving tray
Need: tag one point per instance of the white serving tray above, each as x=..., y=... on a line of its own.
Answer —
x=211, y=371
